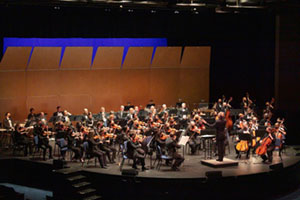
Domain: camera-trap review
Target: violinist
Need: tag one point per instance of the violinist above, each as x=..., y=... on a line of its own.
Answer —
x=135, y=151
x=172, y=146
x=193, y=131
x=43, y=139
x=74, y=144
x=22, y=139
x=106, y=145
x=95, y=151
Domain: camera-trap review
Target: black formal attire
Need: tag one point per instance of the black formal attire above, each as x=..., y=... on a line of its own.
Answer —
x=43, y=141
x=220, y=126
x=72, y=144
x=96, y=152
x=121, y=115
x=8, y=124
x=270, y=150
x=135, y=152
x=193, y=142
x=172, y=152
x=22, y=139
x=57, y=116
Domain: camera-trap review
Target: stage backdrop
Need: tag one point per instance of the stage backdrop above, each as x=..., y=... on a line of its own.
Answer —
x=41, y=77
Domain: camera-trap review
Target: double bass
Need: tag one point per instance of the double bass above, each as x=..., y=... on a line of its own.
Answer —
x=229, y=122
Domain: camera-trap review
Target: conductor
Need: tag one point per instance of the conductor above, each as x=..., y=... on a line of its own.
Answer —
x=220, y=126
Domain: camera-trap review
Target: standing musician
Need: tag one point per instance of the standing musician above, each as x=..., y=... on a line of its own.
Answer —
x=172, y=146
x=121, y=114
x=220, y=126
x=279, y=136
x=103, y=116
x=84, y=117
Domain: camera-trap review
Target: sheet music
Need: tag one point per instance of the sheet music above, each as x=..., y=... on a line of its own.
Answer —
x=183, y=140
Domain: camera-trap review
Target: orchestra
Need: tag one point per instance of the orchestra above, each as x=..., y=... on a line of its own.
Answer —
x=103, y=134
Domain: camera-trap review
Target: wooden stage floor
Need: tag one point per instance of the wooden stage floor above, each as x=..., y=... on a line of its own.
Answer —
x=191, y=168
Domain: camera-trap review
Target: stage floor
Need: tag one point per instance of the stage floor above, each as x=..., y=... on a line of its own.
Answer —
x=191, y=168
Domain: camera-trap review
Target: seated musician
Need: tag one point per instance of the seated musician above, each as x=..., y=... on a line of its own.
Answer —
x=74, y=144
x=90, y=120
x=43, y=139
x=279, y=136
x=106, y=145
x=84, y=117
x=163, y=110
x=94, y=150
x=58, y=114
x=172, y=146
x=22, y=139
x=31, y=116
x=8, y=122
x=242, y=145
x=135, y=152
x=271, y=146
x=103, y=116
x=193, y=131
x=121, y=114
x=66, y=119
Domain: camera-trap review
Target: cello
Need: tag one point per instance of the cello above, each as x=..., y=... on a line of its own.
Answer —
x=262, y=149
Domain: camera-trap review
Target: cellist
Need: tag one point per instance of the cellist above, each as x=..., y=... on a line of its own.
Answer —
x=265, y=150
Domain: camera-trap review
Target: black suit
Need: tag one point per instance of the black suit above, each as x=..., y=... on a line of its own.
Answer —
x=121, y=115
x=220, y=126
x=95, y=151
x=172, y=152
x=135, y=152
x=6, y=124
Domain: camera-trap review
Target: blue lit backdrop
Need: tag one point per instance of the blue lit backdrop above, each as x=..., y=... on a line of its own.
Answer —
x=79, y=42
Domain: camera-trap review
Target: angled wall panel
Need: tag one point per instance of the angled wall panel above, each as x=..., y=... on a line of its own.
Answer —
x=45, y=58
x=108, y=57
x=15, y=58
x=138, y=58
x=196, y=57
x=77, y=58
x=166, y=57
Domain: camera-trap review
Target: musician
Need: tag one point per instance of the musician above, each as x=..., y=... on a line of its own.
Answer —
x=74, y=144
x=103, y=116
x=7, y=122
x=58, y=114
x=244, y=131
x=221, y=135
x=84, y=117
x=105, y=144
x=279, y=133
x=172, y=146
x=43, y=139
x=179, y=103
x=151, y=103
x=121, y=114
x=219, y=106
x=22, y=139
x=271, y=146
x=193, y=131
x=66, y=119
x=31, y=116
x=183, y=110
x=90, y=120
x=135, y=151
x=94, y=150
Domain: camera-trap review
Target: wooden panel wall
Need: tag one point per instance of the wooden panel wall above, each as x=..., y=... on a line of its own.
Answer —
x=164, y=81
